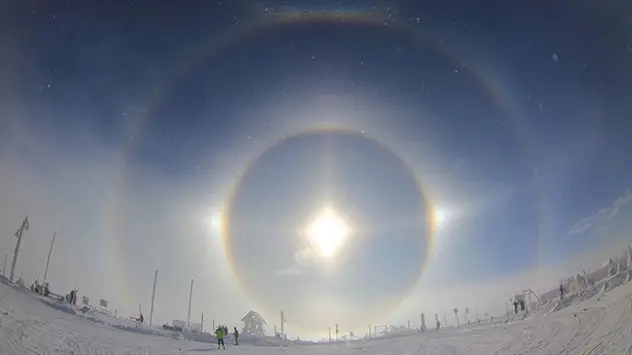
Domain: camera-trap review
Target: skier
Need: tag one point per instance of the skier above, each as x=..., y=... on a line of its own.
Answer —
x=515, y=304
x=219, y=334
x=236, y=335
x=561, y=292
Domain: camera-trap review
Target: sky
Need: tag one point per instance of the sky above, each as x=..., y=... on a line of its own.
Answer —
x=467, y=150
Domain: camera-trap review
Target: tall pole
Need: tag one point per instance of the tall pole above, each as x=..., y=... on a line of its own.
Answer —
x=4, y=269
x=202, y=324
x=282, y=325
x=153, y=297
x=18, y=234
x=329, y=328
x=52, y=242
x=189, y=314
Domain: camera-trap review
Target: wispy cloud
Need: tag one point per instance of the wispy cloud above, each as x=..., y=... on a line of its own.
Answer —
x=301, y=257
x=602, y=217
x=291, y=271
x=304, y=255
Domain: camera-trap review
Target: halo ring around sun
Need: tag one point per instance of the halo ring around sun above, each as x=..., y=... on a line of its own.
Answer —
x=485, y=77
x=227, y=216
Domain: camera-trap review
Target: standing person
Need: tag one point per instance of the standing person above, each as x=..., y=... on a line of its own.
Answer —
x=561, y=292
x=219, y=334
x=236, y=335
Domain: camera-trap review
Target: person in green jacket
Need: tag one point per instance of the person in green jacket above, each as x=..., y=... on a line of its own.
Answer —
x=219, y=334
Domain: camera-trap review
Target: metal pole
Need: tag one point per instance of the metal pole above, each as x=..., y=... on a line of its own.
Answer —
x=18, y=234
x=4, y=269
x=189, y=314
x=52, y=242
x=423, y=323
x=282, y=326
x=153, y=297
x=329, y=328
x=202, y=324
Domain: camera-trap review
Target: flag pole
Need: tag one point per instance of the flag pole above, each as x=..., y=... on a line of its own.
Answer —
x=153, y=297
x=50, y=251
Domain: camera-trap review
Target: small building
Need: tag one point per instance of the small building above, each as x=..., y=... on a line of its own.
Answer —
x=253, y=324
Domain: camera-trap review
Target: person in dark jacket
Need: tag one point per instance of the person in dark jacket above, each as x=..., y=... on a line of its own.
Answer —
x=236, y=335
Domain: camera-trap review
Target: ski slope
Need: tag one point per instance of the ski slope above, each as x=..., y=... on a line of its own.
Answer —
x=600, y=325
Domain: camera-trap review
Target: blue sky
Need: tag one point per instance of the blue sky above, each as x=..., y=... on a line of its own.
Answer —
x=125, y=130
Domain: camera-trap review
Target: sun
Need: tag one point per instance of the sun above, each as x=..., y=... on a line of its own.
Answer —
x=327, y=233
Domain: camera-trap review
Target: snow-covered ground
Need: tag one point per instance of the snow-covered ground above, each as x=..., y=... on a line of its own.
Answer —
x=599, y=325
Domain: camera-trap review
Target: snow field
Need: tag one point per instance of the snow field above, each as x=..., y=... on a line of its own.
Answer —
x=599, y=325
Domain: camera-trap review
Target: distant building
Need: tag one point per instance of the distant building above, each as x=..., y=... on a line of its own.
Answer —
x=253, y=324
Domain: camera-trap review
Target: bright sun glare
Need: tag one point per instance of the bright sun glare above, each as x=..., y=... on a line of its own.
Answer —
x=327, y=232
x=216, y=221
x=441, y=216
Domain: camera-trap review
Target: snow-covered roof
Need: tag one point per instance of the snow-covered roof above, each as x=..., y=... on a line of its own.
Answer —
x=252, y=315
